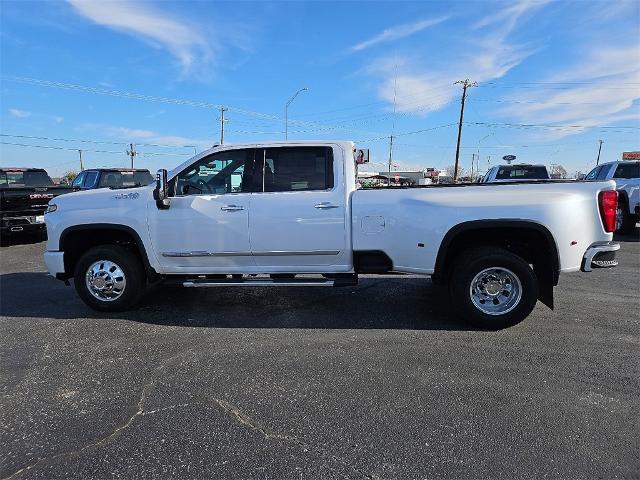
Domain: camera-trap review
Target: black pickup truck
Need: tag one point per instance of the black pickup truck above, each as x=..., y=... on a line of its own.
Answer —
x=24, y=194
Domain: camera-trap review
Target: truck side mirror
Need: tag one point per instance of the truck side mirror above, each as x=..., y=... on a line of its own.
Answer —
x=160, y=193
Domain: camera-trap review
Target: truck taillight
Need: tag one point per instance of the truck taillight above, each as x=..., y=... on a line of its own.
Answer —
x=608, y=203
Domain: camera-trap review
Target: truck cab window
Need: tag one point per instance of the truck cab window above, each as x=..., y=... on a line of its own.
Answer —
x=602, y=174
x=290, y=169
x=593, y=174
x=77, y=182
x=230, y=171
x=627, y=170
x=89, y=179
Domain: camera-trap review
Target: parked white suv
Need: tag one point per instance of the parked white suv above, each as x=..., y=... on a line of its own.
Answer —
x=262, y=214
x=626, y=174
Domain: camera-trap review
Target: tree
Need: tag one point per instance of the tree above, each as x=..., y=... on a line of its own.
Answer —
x=558, y=171
x=451, y=168
x=69, y=176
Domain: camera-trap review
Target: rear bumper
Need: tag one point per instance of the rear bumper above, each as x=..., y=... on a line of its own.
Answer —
x=54, y=262
x=600, y=255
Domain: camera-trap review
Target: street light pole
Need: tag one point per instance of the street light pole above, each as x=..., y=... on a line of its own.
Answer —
x=286, y=112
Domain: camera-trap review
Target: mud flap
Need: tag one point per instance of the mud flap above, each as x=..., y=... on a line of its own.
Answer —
x=546, y=281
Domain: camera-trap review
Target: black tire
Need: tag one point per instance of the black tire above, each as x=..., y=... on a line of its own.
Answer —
x=628, y=223
x=474, y=261
x=131, y=268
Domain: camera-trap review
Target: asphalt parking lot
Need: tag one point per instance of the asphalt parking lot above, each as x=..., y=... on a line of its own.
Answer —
x=373, y=381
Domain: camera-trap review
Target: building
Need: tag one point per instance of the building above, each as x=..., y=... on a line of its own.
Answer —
x=427, y=176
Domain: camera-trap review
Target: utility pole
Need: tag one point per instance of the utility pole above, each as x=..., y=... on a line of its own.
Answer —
x=390, y=158
x=473, y=159
x=286, y=111
x=599, y=150
x=465, y=84
x=80, y=152
x=222, y=120
x=132, y=152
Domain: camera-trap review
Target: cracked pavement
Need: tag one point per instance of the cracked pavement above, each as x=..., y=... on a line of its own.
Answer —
x=369, y=382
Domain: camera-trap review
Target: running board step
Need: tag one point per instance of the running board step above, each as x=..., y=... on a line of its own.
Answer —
x=308, y=282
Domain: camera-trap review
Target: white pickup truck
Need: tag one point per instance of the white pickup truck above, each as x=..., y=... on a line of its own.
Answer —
x=286, y=214
x=626, y=174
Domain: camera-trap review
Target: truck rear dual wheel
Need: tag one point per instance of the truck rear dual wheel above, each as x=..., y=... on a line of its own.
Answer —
x=109, y=278
x=492, y=288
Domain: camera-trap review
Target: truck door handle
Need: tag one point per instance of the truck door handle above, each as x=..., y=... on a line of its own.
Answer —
x=232, y=208
x=326, y=205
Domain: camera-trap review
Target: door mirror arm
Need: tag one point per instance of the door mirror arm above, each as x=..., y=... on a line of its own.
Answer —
x=160, y=193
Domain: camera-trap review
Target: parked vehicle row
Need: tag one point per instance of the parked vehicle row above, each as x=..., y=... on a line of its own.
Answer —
x=25, y=192
x=235, y=213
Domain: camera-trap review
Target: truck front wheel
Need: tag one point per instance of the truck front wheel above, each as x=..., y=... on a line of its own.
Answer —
x=493, y=288
x=109, y=278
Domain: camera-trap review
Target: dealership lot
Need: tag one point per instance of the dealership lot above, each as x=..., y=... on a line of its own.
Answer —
x=373, y=381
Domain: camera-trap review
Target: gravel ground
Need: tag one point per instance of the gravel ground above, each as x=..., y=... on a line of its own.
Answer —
x=373, y=381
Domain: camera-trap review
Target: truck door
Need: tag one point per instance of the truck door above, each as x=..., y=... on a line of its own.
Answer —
x=297, y=218
x=205, y=229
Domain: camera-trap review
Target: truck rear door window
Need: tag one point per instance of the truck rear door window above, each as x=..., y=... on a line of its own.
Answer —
x=522, y=173
x=627, y=170
x=291, y=169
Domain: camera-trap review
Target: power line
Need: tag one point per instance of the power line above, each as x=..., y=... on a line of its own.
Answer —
x=104, y=142
x=55, y=147
x=532, y=125
x=541, y=102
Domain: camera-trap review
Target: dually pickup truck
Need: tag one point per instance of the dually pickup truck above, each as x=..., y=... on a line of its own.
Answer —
x=287, y=214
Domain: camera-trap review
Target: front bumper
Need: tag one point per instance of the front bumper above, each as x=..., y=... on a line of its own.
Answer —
x=54, y=262
x=22, y=223
x=600, y=255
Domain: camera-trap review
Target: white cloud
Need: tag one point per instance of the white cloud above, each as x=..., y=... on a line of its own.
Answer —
x=149, y=136
x=600, y=89
x=398, y=32
x=182, y=40
x=19, y=113
x=424, y=89
x=130, y=133
x=508, y=16
x=58, y=119
x=419, y=85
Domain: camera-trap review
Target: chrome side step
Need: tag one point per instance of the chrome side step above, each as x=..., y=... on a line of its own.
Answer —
x=308, y=282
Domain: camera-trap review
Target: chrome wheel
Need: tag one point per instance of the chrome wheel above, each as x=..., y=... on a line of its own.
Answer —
x=105, y=280
x=495, y=291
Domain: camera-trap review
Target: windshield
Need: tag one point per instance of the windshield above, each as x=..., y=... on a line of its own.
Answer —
x=522, y=173
x=37, y=178
x=125, y=179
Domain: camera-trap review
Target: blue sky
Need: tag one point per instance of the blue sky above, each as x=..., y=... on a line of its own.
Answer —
x=553, y=78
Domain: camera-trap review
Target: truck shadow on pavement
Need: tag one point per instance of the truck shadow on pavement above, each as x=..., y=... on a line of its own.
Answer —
x=22, y=239
x=632, y=237
x=376, y=303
